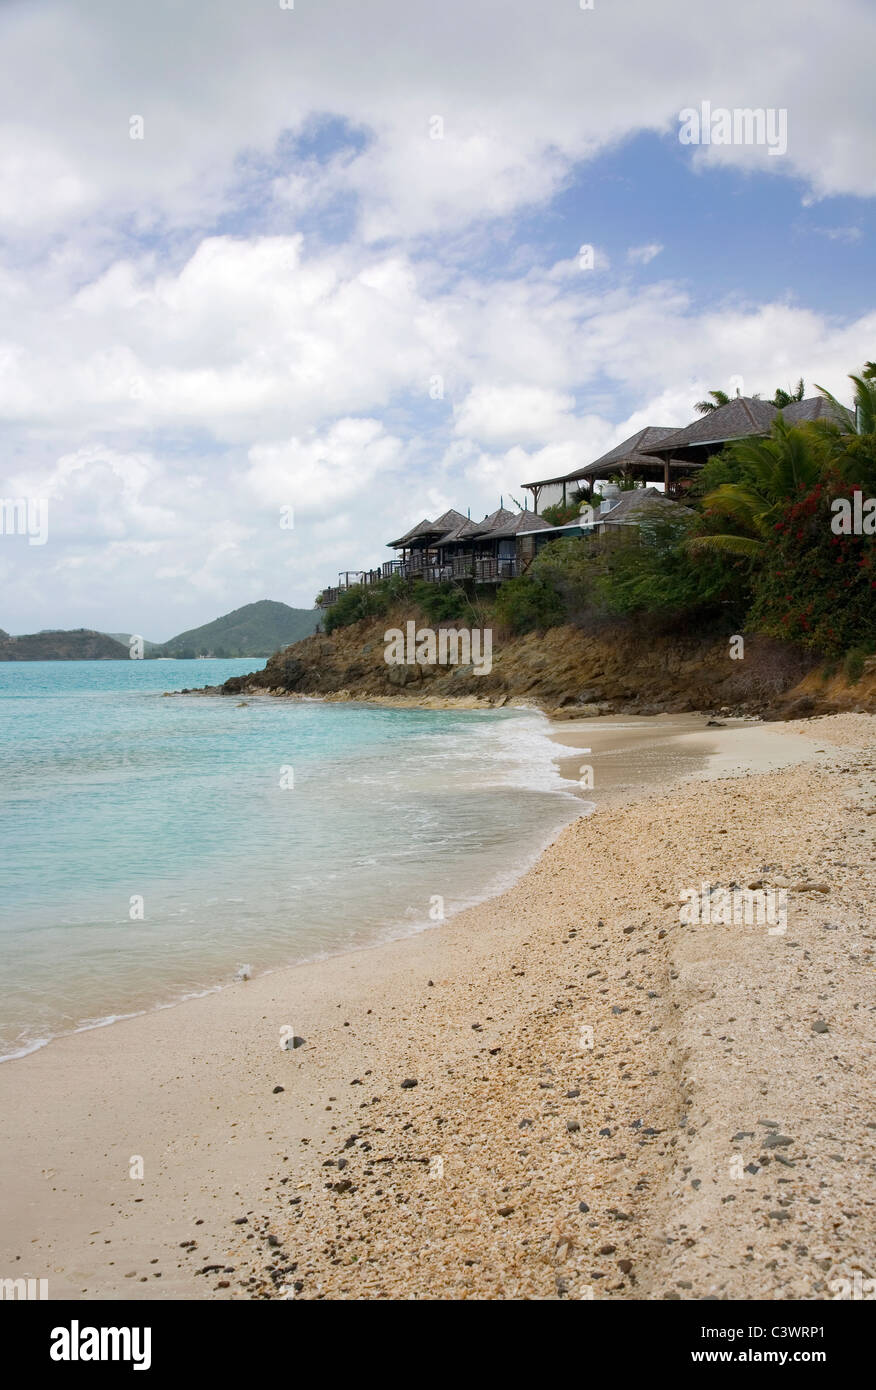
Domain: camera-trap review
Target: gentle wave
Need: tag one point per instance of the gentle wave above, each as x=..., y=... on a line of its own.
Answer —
x=174, y=808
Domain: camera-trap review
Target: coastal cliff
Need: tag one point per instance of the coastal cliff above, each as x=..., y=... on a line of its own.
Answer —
x=569, y=672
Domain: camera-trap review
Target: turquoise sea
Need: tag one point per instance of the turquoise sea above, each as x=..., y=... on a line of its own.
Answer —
x=152, y=847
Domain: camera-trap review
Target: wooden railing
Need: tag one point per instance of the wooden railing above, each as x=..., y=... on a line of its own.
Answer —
x=482, y=569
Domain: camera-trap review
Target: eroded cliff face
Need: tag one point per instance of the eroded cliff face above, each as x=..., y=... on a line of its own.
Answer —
x=621, y=669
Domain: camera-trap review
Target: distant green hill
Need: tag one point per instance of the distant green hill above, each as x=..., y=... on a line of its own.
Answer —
x=257, y=629
x=124, y=637
x=81, y=644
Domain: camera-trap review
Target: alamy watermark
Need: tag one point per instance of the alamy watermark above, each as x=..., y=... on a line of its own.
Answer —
x=855, y=516
x=27, y=1290
x=735, y=907
x=449, y=646
x=25, y=516
x=77, y=1343
x=742, y=126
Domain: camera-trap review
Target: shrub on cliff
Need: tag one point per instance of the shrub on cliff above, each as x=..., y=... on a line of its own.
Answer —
x=529, y=604
x=441, y=603
x=571, y=568
x=818, y=587
x=662, y=574
x=357, y=602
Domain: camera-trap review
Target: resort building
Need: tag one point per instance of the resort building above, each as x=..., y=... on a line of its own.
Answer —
x=663, y=454
x=504, y=544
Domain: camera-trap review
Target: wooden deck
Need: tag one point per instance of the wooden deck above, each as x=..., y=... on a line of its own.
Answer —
x=477, y=569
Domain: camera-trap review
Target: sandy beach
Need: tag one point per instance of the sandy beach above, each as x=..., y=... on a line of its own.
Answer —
x=564, y=1092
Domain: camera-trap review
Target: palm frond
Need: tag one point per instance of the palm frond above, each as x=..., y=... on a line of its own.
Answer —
x=727, y=545
x=847, y=416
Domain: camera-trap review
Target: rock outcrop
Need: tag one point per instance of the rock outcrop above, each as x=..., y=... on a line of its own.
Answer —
x=567, y=672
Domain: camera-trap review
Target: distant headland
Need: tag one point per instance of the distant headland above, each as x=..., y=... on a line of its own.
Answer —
x=256, y=630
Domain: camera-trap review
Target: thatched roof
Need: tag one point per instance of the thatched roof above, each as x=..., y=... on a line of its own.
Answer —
x=635, y=452
x=422, y=528
x=640, y=504
x=458, y=532
x=522, y=521
x=490, y=524
x=630, y=452
x=742, y=416
x=430, y=530
x=813, y=408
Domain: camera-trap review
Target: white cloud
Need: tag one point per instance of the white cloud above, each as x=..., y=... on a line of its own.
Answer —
x=523, y=92
x=317, y=476
x=847, y=234
x=170, y=388
x=643, y=255
x=527, y=414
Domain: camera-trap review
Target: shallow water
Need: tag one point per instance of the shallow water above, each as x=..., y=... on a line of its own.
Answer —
x=152, y=846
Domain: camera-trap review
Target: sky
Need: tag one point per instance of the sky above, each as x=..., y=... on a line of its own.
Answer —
x=322, y=262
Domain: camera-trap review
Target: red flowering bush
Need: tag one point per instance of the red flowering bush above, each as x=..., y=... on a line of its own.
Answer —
x=818, y=587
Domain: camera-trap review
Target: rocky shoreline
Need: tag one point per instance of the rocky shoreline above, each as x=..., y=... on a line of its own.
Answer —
x=569, y=673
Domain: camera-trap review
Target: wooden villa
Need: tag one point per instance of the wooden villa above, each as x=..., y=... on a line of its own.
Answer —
x=618, y=518
x=631, y=460
x=662, y=454
x=455, y=547
x=685, y=451
x=504, y=544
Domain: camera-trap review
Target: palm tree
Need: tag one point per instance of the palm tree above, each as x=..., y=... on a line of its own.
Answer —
x=770, y=473
x=719, y=398
x=861, y=419
x=783, y=398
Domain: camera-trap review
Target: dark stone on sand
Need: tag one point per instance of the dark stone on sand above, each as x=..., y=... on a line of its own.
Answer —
x=408, y=1083
x=278, y=1089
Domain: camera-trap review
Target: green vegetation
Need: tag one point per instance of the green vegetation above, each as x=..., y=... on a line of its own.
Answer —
x=442, y=603
x=79, y=644
x=761, y=477
x=530, y=603
x=257, y=629
x=561, y=514
x=439, y=603
x=815, y=587
x=358, y=602
x=759, y=549
x=780, y=398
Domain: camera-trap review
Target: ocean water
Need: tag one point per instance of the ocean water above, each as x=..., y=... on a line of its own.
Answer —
x=153, y=846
